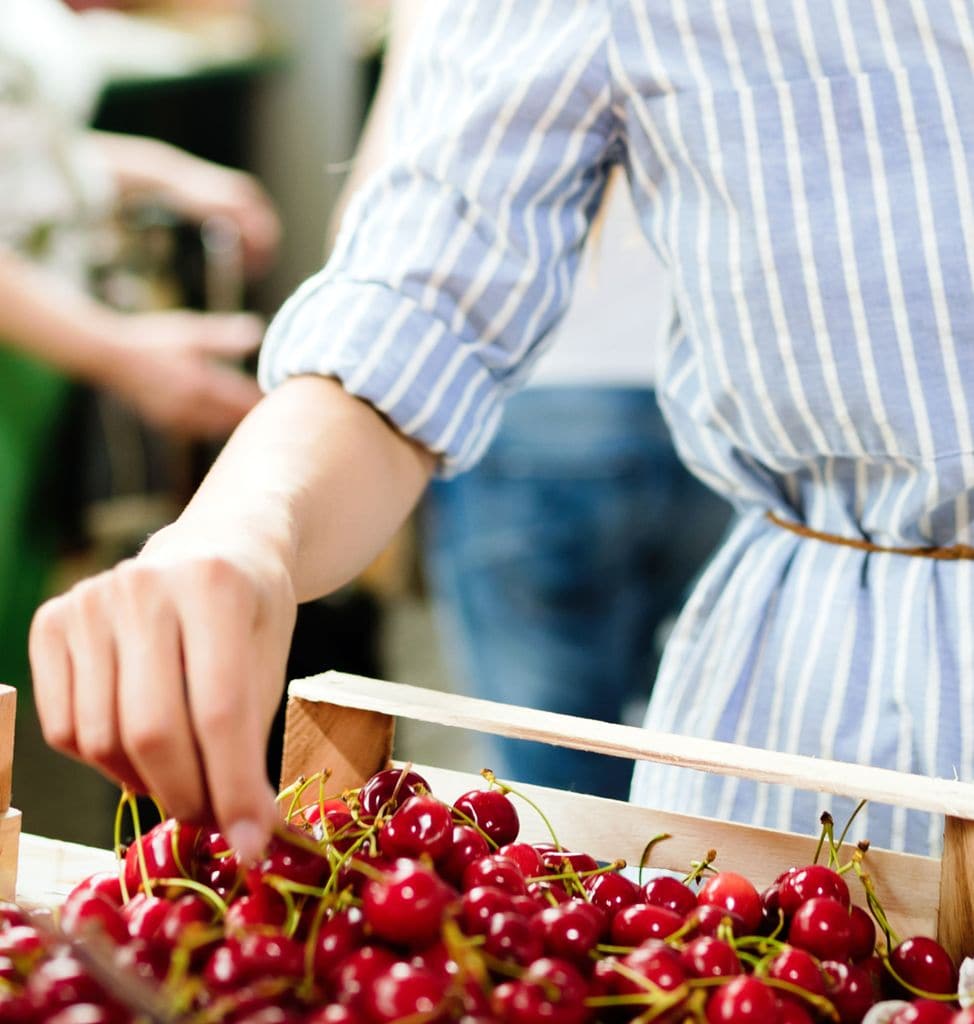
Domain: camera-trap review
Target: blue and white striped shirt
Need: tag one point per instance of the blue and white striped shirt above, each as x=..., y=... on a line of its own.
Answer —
x=803, y=168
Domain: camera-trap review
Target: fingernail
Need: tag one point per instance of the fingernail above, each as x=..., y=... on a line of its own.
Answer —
x=248, y=839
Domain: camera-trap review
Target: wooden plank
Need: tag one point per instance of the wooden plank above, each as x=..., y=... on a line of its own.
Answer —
x=9, y=851
x=8, y=714
x=880, y=785
x=350, y=743
x=49, y=869
x=908, y=885
x=956, y=897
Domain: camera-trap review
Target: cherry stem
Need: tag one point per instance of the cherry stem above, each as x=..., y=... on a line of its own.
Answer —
x=119, y=857
x=505, y=789
x=210, y=895
x=698, y=867
x=139, y=850
x=848, y=824
x=465, y=819
x=939, y=997
x=872, y=900
x=648, y=849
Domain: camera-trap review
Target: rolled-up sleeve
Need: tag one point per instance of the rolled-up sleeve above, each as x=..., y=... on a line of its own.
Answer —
x=456, y=259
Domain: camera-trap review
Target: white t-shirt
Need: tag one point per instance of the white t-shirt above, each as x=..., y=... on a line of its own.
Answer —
x=611, y=333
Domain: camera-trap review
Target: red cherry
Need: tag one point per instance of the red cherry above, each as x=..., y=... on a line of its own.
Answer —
x=60, y=981
x=387, y=789
x=106, y=884
x=266, y=954
x=81, y=1013
x=495, y=871
x=407, y=904
x=466, y=846
x=799, y=968
x=404, y=992
x=262, y=909
x=525, y=856
x=187, y=915
x=290, y=858
x=632, y=925
x=612, y=891
x=569, y=931
x=91, y=912
x=706, y=957
x=803, y=884
x=850, y=990
x=862, y=934
x=654, y=961
x=339, y=935
x=480, y=904
x=168, y=851
x=708, y=919
x=667, y=891
x=728, y=890
x=150, y=961
x=742, y=1001
x=422, y=824
x=144, y=915
x=923, y=1011
x=551, y=991
x=567, y=862
x=821, y=927
x=351, y=975
x=492, y=812
x=924, y=964
x=791, y=1011
x=511, y=938
x=335, y=1013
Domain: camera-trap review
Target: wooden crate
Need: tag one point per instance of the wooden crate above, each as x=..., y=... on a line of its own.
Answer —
x=9, y=818
x=345, y=724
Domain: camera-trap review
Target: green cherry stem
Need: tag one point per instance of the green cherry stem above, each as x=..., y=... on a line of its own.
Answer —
x=117, y=840
x=698, y=867
x=647, y=851
x=492, y=780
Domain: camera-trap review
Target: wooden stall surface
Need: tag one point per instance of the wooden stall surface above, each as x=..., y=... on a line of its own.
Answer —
x=345, y=724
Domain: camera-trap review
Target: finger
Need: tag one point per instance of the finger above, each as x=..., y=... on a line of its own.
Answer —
x=228, y=708
x=91, y=647
x=51, y=674
x=230, y=336
x=153, y=718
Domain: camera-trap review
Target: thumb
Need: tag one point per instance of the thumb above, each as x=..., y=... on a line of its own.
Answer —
x=230, y=335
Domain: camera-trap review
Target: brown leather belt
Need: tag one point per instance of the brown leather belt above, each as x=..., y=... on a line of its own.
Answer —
x=949, y=554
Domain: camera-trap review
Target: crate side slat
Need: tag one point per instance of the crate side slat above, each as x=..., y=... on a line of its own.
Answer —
x=956, y=897
x=908, y=885
x=8, y=714
x=880, y=785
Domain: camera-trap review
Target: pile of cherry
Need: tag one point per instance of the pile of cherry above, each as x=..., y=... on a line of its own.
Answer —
x=390, y=905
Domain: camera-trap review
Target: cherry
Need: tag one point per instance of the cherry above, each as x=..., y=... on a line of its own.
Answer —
x=144, y=915
x=60, y=981
x=263, y=908
x=568, y=862
x=167, y=849
x=706, y=957
x=338, y=827
x=480, y=904
x=550, y=990
x=351, y=975
x=149, y=961
x=707, y=920
x=271, y=1015
x=15, y=1009
x=106, y=884
x=512, y=939
x=802, y=884
x=187, y=914
x=466, y=846
x=821, y=927
x=422, y=824
x=404, y=991
x=569, y=931
x=849, y=988
x=653, y=961
x=338, y=936
x=406, y=905
x=862, y=934
x=634, y=924
x=667, y=891
x=290, y=859
x=492, y=812
x=728, y=890
x=742, y=1001
x=389, y=788
x=83, y=1013
x=496, y=871
x=525, y=856
x=335, y=1013
x=797, y=967
x=791, y=1011
x=266, y=954
x=89, y=912
x=612, y=891
x=923, y=964
x=923, y=1011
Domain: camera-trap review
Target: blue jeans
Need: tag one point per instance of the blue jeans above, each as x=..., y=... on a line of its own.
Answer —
x=554, y=563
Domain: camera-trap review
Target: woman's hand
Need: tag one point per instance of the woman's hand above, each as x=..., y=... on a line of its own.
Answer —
x=166, y=671
x=174, y=368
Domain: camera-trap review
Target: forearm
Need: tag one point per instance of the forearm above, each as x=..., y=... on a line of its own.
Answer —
x=50, y=319
x=318, y=477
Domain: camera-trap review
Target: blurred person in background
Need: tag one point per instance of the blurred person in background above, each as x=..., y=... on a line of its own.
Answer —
x=59, y=183
x=552, y=588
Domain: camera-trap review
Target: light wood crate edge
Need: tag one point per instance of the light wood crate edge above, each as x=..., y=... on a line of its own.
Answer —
x=346, y=721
